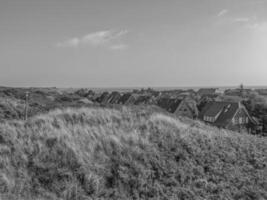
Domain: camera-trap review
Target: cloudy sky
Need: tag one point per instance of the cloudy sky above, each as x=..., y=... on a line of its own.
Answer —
x=127, y=43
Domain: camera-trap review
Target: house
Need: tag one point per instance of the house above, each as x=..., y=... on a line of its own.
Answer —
x=85, y=93
x=124, y=98
x=229, y=98
x=220, y=91
x=187, y=94
x=241, y=92
x=204, y=99
x=85, y=101
x=144, y=100
x=103, y=98
x=262, y=92
x=114, y=97
x=169, y=104
x=264, y=127
x=229, y=115
x=187, y=108
x=132, y=99
x=182, y=107
x=95, y=97
x=90, y=94
x=206, y=91
x=128, y=99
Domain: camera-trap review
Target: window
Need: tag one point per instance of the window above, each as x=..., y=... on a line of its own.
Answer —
x=209, y=119
x=227, y=108
x=243, y=120
x=236, y=120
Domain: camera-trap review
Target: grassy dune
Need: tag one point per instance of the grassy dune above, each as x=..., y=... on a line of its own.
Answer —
x=97, y=153
x=11, y=108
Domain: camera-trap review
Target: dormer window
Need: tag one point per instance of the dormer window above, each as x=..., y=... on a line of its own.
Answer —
x=227, y=108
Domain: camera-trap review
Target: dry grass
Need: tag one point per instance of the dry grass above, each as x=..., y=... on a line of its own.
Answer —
x=11, y=108
x=98, y=153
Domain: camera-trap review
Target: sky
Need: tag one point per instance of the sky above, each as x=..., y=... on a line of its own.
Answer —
x=133, y=43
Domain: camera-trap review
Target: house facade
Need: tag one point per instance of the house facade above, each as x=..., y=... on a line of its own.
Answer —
x=187, y=108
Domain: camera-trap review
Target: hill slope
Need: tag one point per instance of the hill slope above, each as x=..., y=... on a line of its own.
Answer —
x=96, y=153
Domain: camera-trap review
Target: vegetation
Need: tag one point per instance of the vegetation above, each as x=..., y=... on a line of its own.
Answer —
x=41, y=100
x=128, y=153
x=257, y=106
x=11, y=108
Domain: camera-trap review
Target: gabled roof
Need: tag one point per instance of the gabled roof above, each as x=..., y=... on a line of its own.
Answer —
x=224, y=111
x=114, y=97
x=206, y=91
x=143, y=99
x=227, y=114
x=169, y=104
x=103, y=98
x=262, y=91
x=190, y=104
x=96, y=96
x=123, y=99
x=131, y=100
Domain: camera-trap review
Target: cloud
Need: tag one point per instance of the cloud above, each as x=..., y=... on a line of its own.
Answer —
x=119, y=47
x=252, y=23
x=255, y=2
x=259, y=27
x=241, y=20
x=222, y=13
x=106, y=38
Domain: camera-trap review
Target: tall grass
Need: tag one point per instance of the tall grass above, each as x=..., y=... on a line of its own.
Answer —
x=11, y=108
x=98, y=153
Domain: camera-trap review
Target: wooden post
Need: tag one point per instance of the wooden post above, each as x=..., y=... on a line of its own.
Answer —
x=26, y=105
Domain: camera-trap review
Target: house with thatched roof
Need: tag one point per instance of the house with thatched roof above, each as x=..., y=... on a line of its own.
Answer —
x=103, y=98
x=206, y=91
x=182, y=107
x=145, y=100
x=128, y=98
x=114, y=98
x=229, y=115
x=132, y=99
x=123, y=99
